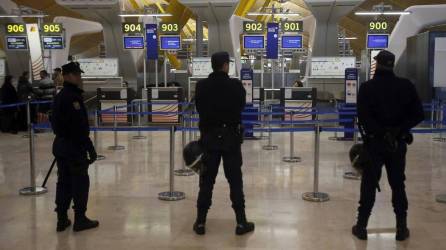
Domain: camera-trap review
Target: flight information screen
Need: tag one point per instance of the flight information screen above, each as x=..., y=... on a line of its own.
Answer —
x=291, y=42
x=254, y=42
x=170, y=42
x=378, y=41
x=133, y=42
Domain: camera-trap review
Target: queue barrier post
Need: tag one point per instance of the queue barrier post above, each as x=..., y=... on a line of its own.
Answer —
x=270, y=145
x=115, y=133
x=139, y=136
x=95, y=135
x=172, y=195
x=316, y=196
x=32, y=189
x=440, y=122
x=292, y=158
x=335, y=137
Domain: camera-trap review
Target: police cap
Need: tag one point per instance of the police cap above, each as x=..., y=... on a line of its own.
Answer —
x=218, y=59
x=385, y=58
x=72, y=67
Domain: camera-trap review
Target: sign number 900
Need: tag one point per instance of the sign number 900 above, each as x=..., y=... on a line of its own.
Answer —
x=378, y=26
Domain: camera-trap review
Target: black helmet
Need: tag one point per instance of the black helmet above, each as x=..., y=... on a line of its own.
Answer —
x=192, y=155
x=359, y=158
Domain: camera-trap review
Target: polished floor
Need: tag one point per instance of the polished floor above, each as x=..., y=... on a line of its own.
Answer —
x=125, y=186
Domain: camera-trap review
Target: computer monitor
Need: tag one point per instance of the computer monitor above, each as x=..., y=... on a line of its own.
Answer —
x=170, y=42
x=254, y=42
x=378, y=41
x=291, y=42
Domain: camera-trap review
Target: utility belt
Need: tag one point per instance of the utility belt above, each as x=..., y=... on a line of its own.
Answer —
x=224, y=130
x=391, y=139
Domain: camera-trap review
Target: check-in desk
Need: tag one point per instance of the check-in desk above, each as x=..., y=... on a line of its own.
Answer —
x=304, y=99
x=164, y=99
x=109, y=97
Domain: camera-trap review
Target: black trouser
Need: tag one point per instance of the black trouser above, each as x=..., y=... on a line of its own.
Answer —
x=395, y=163
x=222, y=144
x=73, y=183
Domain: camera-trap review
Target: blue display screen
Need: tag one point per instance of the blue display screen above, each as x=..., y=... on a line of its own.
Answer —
x=377, y=41
x=291, y=42
x=17, y=42
x=170, y=42
x=53, y=42
x=133, y=42
x=254, y=42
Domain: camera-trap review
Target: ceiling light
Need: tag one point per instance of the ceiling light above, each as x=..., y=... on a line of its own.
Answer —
x=348, y=38
x=270, y=14
x=146, y=15
x=377, y=13
x=25, y=15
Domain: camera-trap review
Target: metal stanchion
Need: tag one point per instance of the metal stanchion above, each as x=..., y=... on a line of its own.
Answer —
x=139, y=136
x=32, y=189
x=270, y=145
x=95, y=135
x=335, y=137
x=183, y=171
x=316, y=196
x=353, y=175
x=262, y=120
x=195, y=123
x=172, y=195
x=440, y=122
x=291, y=158
x=115, y=126
x=28, y=117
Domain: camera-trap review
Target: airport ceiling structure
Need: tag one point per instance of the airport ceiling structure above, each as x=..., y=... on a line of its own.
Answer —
x=351, y=25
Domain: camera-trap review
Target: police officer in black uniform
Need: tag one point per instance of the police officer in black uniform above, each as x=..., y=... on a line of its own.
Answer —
x=388, y=108
x=220, y=101
x=73, y=150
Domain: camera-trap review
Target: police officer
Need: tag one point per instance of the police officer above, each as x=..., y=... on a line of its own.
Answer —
x=388, y=108
x=73, y=150
x=220, y=101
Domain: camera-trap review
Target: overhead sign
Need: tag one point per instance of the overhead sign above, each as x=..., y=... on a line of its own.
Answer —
x=16, y=42
x=15, y=28
x=253, y=42
x=133, y=42
x=379, y=27
x=293, y=26
x=253, y=27
x=169, y=28
x=99, y=66
x=52, y=28
x=152, y=41
x=333, y=67
x=380, y=41
x=170, y=42
x=291, y=42
x=272, y=44
x=132, y=28
x=53, y=42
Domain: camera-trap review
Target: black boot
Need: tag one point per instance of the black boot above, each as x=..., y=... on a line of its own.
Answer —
x=81, y=222
x=360, y=229
x=402, y=232
x=62, y=221
x=200, y=223
x=243, y=226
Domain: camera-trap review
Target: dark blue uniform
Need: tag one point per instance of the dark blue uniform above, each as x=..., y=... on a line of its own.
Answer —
x=220, y=101
x=72, y=148
x=388, y=108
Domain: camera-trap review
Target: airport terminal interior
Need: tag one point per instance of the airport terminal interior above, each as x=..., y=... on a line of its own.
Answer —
x=301, y=64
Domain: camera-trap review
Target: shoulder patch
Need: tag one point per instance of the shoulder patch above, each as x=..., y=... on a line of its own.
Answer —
x=76, y=105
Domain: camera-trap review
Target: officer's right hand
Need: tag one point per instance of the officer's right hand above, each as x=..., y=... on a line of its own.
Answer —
x=92, y=156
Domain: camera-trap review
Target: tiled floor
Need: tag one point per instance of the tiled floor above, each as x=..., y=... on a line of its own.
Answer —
x=124, y=190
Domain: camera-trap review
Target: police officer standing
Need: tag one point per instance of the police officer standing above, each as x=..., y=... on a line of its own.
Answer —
x=220, y=101
x=73, y=150
x=388, y=108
